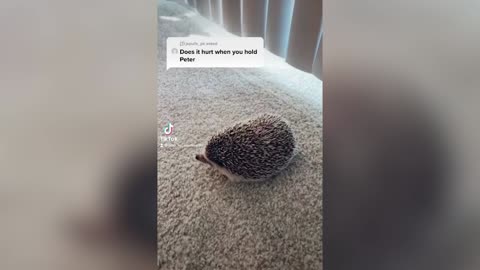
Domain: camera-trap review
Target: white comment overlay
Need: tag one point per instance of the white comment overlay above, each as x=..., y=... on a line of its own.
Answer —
x=183, y=52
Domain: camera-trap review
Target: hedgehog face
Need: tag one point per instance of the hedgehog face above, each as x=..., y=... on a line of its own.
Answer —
x=222, y=170
x=202, y=158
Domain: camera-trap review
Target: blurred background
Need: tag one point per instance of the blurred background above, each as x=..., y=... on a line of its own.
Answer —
x=77, y=104
x=401, y=135
x=78, y=90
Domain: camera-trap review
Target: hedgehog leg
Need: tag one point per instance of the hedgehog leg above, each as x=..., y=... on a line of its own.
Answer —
x=237, y=178
x=229, y=175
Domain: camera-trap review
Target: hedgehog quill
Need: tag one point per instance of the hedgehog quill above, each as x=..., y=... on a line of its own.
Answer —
x=253, y=150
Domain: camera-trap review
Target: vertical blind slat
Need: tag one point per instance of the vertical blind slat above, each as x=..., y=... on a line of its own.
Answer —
x=317, y=64
x=254, y=18
x=216, y=11
x=276, y=26
x=231, y=16
x=203, y=7
x=307, y=16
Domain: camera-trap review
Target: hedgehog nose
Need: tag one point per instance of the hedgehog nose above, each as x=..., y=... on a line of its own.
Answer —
x=202, y=158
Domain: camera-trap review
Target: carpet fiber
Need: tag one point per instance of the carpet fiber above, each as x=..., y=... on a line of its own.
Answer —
x=206, y=222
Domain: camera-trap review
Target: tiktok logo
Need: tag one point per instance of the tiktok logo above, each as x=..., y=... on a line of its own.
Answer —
x=168, y=129
x=167, y=140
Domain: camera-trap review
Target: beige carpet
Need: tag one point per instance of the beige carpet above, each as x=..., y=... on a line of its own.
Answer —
x=205, y=222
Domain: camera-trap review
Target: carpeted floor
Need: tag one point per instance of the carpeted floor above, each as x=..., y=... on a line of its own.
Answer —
x=205, y=222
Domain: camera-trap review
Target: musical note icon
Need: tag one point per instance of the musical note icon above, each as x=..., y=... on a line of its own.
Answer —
x=168, y=129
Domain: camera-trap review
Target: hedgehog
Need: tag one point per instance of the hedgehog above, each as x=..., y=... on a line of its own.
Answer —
x=253, y=150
